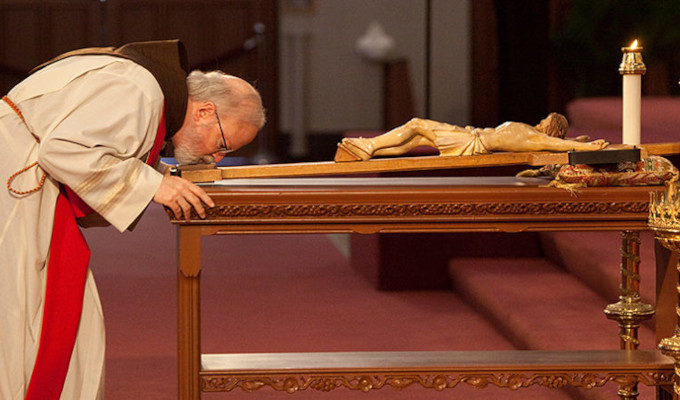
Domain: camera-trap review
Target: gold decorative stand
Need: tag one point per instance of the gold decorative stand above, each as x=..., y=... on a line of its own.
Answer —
x=664, y=220
x=629, y=312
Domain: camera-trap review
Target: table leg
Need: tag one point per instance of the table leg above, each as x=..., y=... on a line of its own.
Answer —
x=189, y=313
x=629, y=312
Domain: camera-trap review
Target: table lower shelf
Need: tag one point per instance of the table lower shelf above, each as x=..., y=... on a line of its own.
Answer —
x=437, y=370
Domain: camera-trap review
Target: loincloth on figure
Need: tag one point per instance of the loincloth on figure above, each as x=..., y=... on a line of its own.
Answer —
x=459, y=143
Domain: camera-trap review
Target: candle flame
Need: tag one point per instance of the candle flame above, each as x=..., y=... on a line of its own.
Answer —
x=634, y=45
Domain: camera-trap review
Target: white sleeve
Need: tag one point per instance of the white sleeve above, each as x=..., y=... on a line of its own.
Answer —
x=95, y=131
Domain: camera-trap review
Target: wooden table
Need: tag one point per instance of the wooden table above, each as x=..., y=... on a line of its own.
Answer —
x=379, y=205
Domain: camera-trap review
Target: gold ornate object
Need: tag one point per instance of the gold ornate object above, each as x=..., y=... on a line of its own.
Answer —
x=664, y=220
x=631, y=62
x=629, y=312
x=441, y=370
x=326, y=382
x=416, y=210
x=664, y=214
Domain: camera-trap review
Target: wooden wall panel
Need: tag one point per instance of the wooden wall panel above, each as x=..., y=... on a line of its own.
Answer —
x=68, y=26
x=20, y=29
x=193, y=24
x=484, y=56
x=133, y=22
x=214, y=31
x=32, y=32
x=496, y=73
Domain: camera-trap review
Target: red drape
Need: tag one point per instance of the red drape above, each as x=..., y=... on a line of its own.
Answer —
x=66, y=276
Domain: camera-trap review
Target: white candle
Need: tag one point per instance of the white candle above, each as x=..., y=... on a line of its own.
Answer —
x=632, y=68
x=632, y=103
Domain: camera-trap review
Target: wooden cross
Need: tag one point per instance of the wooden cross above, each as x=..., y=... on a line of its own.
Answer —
x=209, y=173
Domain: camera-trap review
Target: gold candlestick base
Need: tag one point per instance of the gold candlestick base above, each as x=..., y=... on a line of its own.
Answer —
x=629, y=316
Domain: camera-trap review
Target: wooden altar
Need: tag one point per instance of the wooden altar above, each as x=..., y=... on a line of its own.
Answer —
x=376, y=205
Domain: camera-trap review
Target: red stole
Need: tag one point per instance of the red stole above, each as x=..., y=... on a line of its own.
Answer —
x=66, y=274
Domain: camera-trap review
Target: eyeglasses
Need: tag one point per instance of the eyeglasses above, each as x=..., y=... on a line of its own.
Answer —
x=226, y=149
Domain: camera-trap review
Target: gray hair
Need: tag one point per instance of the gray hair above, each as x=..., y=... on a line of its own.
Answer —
x=231, y=94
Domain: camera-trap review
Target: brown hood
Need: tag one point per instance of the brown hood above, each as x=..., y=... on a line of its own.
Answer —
x=168, y=63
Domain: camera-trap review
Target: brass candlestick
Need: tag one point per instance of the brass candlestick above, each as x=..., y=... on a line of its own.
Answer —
x=631, y=62
x=630, y=311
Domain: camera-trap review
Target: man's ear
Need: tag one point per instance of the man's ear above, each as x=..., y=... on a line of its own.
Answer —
x=204, y=109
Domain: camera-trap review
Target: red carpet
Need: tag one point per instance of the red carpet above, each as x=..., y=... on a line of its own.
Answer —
x=600, y=269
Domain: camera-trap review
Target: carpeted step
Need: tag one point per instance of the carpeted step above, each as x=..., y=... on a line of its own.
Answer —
x=539, y=306
x=595, y=259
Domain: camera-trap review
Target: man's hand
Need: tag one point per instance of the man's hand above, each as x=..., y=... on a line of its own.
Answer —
x=180, y=196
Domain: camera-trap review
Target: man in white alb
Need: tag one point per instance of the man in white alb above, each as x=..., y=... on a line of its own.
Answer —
x=80, y=137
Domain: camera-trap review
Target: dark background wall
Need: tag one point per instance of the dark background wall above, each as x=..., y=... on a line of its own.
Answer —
x=530, y=57
x=219, y=34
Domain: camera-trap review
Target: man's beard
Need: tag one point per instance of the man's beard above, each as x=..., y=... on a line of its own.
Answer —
x=186, y=153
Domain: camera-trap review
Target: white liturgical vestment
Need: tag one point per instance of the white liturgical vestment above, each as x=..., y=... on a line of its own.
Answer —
x=96, y=118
